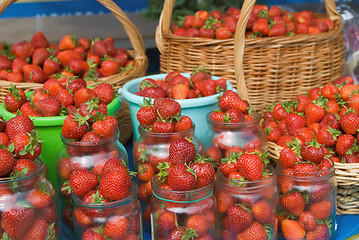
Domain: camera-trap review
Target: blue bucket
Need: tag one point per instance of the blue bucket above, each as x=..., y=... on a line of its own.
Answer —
x=196, y=108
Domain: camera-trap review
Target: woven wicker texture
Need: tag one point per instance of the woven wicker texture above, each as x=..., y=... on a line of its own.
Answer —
x=118, y=80
x=268, y=69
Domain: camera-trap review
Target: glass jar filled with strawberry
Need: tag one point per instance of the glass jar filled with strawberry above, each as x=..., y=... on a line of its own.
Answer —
x=183, y=203
x=166, y=136
x=90, y=145
x=97, y=217
x=307, y=187
x=247, y=197
x=234, y=125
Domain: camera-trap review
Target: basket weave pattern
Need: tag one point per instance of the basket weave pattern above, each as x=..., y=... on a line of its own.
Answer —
x=275, y=68
x=118, y=80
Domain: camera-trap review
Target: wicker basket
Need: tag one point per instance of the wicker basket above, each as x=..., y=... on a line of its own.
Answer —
x=276, y=68
x=118, y=80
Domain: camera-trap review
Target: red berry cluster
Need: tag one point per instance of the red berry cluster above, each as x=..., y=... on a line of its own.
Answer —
x=163, y=116
x=38, y=60
x=320, y=125
x=177, y=86
x=263, y=22
x=30, y=204
x=58, y=97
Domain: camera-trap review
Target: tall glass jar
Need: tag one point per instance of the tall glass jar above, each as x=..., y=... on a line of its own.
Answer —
x=28, y=206
x=246, y=135
x=307, y=203
x=182, y=214
x=150, y=150
x=114, y=220
x=246, y=209
x=82, y=155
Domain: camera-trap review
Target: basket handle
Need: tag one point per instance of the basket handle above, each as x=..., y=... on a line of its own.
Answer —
x=239, y=40
x=131, y=30
x=164, y=23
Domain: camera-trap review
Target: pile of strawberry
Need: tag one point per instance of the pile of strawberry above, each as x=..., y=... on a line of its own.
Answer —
x=28, y=205
x=38, y=60
x=163, y=116
x=263, y=22
x=321, y=124
x=179, y=219
x=59, y=97
x=232, y=126
x=245, y=215
x=177, y=86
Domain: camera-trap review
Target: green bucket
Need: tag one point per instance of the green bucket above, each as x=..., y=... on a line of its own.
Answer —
x=50, y=134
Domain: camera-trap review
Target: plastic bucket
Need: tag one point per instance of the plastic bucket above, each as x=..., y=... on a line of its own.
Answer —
x=50, y=132
x=196, y=108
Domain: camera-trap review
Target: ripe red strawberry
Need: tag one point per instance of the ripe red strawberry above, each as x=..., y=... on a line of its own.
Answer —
x=262, y=211
x=181, y=151
x=330, y=120
x=27, y=109
x=305, y=134
x=273, y=134
x=198, y=223
x=303, y=102
x=82, y=218
x=279, y=112
x=48, y=107
x=183, y=124
x=223, y=33
x=115, y=185
x=91, y=137
x=328, y=136
x=17, y=65
x=239, y=218
x=320, y=232
x=100, y=48
x=145, y=172
x=22, y=49
x=94, y=196
x=34, y=73
x=7, y=162
x=167, y=108
x=315, y=111
x=39, y=56
x=83, y=95
x=308, y=220
x=65, y=98
x=27, y=145
x=93, y=109
x=293, y=202
x=105, y=92
x=39, y=94
x=40, y=230
x=66, y=56
x=181, y=178
x=254, y=231
x=250, y=165
x=349, y=122
x=344, y=143
x=234, y=116
x=74, y=127
x=291, y=229
x=5, y=63
x=14, y=99
x=162, y=127
x=39, y=40
x=4, y=139
x=200, y=74
x=24, y=166
x=312, y=151
x=217, y=116
x=230, y=99
x=322, y=209
x=294, y=122
x=146, y=115
x=207, y=87
x=82, y=181
x=166, y=221
x=51, y=66
x=215, y=153
x=106, y=127
x=17, y=221
x=153, y=92
x=180, y=91
x=67, y=42
x=18, y=124
x=113, y=164
x=38, y=199
x=90, y=234
x=204, y=172
x=288, y=158
x=224, y=201
x=109, y=67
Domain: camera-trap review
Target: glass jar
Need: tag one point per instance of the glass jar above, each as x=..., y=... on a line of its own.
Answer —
x=180, y=214
x=308, y=201
x=246, y=135
x=150, y=150
x=82, y=155
x=246, y=207
x=114, y=220
x=28, y=206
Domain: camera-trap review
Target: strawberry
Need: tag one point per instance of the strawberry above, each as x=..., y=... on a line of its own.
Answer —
x=17, y=221
x=51, y=66
x=79, y=67
x=353, y=102
x=100, y=48
x=330, y=120
x=344, y=143
x=347, y=90
x=39, y=40
x=113, y=164
x=18, y=124
x=320, y=232
x=15, y=77
x=105, y=92
x=38, y=199
x=315, y=111
x=27, y=145
x=260, y=26
x=39, y=56
x=82, y=181
x=166, y=221
x=288, y=158
x=166, y=108
x=279, y=112
x=76, y=84
x=115, y=185
x=109, y=67
x=217, y=116
x=294, y=122
x=230, y=99
x=153, y=92
x=207, y=87
x=215, y=153
x=93, y=108
x=181, y=151
x=48, y=107
x=262, y=211
x=28, y=110
x=82, y=218
x=4, y=139
x=106, y=127
x=349, y=122
x=293, y=202
x=223, y=33
x=302, y=102
x=239, y=218
x=66, y=56
x=145, y=172
x=198, y=223
x=67, y=42
x=179, y=79
x=272, y=134
x=286, y=183
x=122, y=56
x=254, y=231
x=40, y=230
x=74, y=127
x=83, y=95
x=163, y=127
x=22, y=50
x=53, y=87
x=14, y=98
x=17, y=65
x=183, y=124
x=146, y=115
x=180, y=91
x=199, y=74
x=39, y=94
x=90, y=234
x=291, y=229
x=34, y=73
x=322, y=209
x=305, y=134
x=181, y=178
x=312, y=151
x=6, y=63
x=24, y=166
x=224, y=201
x=204, y=172
x=65, y=98
x=308, y=220
x=250, y=165
x=7, y=161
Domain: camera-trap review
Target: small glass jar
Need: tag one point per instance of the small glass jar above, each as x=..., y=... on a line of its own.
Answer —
x=246, y=135
x=28, y=206
x=150, y=150
x=82, y=155
x=246, y=207
x=182, y=213
x=308, y=200
x=114, y=220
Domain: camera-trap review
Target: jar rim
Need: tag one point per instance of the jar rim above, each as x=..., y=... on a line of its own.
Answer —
x=26, y=176
x=72, y=142
x=133, y=195
x=143, y=131
x=255, y=115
